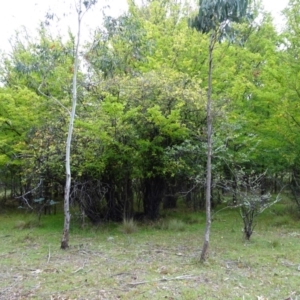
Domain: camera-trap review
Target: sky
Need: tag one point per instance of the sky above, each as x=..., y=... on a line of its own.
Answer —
x=17, y=13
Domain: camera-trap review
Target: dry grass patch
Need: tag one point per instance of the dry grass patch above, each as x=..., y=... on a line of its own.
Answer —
x=128, y=226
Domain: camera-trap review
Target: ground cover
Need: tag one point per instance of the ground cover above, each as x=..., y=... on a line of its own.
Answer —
x=157, y=261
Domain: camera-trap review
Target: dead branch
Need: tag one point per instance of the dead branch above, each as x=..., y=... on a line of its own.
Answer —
x=183, y=277
x=25, y=199
x=49, y=255
x=80, y=268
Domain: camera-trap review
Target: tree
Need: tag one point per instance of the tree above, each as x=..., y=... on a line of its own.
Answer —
x=251, y=198
x=214, y=17
x=254, y=106
x=136, y=124
x=155, y=102
x=67, y=216
x=15, y=103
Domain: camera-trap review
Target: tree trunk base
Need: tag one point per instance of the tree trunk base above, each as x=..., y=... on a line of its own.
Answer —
x=64, y=245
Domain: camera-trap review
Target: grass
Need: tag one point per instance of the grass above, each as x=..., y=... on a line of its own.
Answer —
x=170, y=225
x=153, y=263
x=128, y=226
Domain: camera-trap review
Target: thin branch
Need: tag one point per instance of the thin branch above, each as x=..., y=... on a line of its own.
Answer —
x=12, y=129
x=226, y=207
x=183, y=277
x=272, y=203
x=49, y=255
x=80, y=268
x=293, y=118
x=52, y=98
x=23, y=196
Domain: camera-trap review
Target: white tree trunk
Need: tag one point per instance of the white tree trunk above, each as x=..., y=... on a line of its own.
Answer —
x=67, y=215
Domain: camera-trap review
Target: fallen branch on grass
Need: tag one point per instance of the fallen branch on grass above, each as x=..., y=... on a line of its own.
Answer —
x=80, y=268
x=183, y=277
x=49, y=255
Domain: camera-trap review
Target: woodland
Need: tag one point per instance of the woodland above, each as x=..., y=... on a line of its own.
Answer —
x=170, y=119
x=139, y=143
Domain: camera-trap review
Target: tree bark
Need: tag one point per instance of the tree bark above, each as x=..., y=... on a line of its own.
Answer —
x=209, y=149
x=67, y=215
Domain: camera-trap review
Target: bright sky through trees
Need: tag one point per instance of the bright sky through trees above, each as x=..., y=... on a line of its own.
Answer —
x=29, y=13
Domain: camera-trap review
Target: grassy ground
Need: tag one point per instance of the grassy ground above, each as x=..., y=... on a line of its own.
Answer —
x=158, y=261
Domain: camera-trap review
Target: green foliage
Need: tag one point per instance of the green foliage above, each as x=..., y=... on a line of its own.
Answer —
x=15, y=103
x=141, y=123
x=43, y=65
x=216, y=13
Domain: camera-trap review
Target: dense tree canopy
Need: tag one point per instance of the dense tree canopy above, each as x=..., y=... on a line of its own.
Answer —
x=140, y=128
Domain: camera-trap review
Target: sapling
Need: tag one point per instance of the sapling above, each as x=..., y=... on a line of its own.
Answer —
x=251, y=199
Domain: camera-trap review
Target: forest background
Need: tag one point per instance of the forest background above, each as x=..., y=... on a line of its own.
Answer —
x=139, y=153
x=140, y=130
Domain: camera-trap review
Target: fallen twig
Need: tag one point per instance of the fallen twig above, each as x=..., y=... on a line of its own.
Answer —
x=80, y=268
x=49, y=255
x=119, y=274
x=183, y=277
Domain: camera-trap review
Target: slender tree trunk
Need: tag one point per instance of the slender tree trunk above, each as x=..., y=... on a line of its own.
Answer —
x=209, y=148
x=67, y=215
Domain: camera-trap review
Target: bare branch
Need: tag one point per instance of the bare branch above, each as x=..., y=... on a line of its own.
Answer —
x=29, y=192
x=52, y=98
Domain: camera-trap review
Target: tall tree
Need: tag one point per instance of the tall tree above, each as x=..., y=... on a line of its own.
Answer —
x=214, y=17
x=67, y=216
